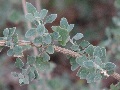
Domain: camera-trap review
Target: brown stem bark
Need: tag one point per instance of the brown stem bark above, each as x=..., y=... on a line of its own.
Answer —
x=60, y=50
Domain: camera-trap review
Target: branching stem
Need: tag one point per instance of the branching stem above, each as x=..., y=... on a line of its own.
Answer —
x=60, y=50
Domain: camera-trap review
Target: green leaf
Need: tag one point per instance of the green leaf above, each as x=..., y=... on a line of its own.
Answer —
x=30, y=8
x=38, y=40
x=84, y=44
x=73, y=63
x=6, y=32
x=90, y=77
x=51, y=18
x=1, y=48
x=12, y=31
x=109, y=66
x=75, y=47
x=50, y=49
x=31, y=60
x=31, y=76
x=18, y=52
x=29, y=17
x=19, y=63
x=98, y=77
x=46, y=57
x=115, y=87
x=64, y=23
x=89, y=50
x=41, y=64
x=70, y=27
x=98, y=61
x=88, y=64
x=36, y=74
x=81, y=59
x=82, y=73
x=43, y=13
x=26, y=80
x=14, y=74
x=41, y=29
x=10, y=52
x=98, y=52
x=47, y=39
x=78, y=36
x=103, y=53
x=55, y=35
x=64, y=34
x=30, y=33
x=15, y=39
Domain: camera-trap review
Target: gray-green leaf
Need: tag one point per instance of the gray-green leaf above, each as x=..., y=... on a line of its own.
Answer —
x=30, y=33
x=64, y=23
x=78, y=36
x=30, y=8
x=19, y=63
x=41, y=29
x=51, y=18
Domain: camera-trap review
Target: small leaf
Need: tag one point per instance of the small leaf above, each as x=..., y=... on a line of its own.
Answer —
x=55, y=35
x=50, y=49
x=14, y=74
x=41, y=64
x=84, y=44
x=31, y=76
x=19, y=63
x=30, y=33
x=103, y=53
x=12, y=31
x=38, y=40
x=75, y=47
x=82, y=73
x=30, y=60
x=1, y=48
x=30, y=8
x=109, y=66
x=46, y=57
x=98, y=52
x=29, y=17
x=41, y=29
x=10, y=52
x=88, y=64
x=81, y=59
x=51, y=18
x=18, y=52
x=43, y=13
x=90, y=77
x=26, y=80
x=98, y=61
x=74, y=64
x=47, y=39
x=15, y=39
x=78, y=36
x=64, y=34
x=89, y=50
x=6, y=32
x=64, y=23
x=70, y=27
x=98, y=77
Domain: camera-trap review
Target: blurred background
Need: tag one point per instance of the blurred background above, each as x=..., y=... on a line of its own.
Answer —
x=98, y=20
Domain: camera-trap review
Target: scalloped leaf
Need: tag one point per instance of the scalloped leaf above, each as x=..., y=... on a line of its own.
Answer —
x=30, y=8
x=51, y=18
x=41, y=29
x=30, y=33
x=19, y=63
x=64, y=23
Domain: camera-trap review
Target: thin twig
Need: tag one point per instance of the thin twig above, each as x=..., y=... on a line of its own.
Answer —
x=60, y=50
x=29, y=24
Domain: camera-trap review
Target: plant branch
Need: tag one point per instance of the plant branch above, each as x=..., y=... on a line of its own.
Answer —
x=61, y=50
